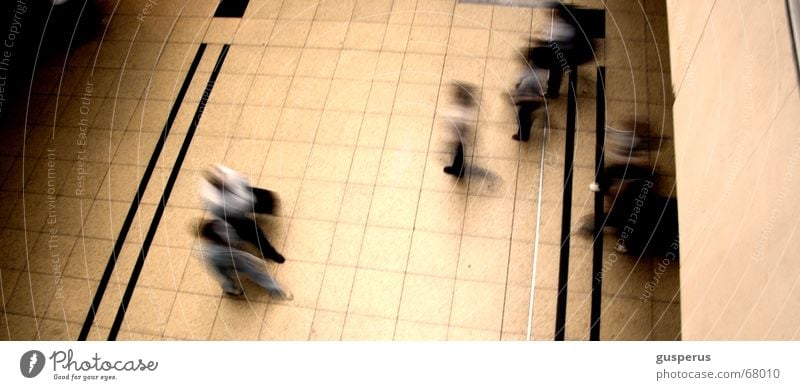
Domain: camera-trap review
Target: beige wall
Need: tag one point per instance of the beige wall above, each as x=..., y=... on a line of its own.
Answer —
x=737, y=145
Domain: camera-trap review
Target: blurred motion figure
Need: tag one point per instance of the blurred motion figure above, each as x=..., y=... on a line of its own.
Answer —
x=643, y=221
x=529, y=91
x=626, y=156
x=460, y=116
x=231, y=198
x=569, y=40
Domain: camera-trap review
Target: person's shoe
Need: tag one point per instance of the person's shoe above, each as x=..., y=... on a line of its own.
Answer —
x=237, y=292
x=516, y=138
x=453, y=171
x=282, y=294
x=594, y=187
x=278, y=258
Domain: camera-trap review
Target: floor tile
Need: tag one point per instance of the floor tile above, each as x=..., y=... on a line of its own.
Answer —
x=393, y=207
x=360, y=327
x=376, y=293
x=483, y=259
x=385, y=249
x=477, y=305
x=319, y=200
x=150, y=311
x=302, y=232
x=434, y=254
x=192, y=316
x=327, y=326
x=238, y=320
x=418, y=331
x=426, y=299
x=287, y=323
x=346, y=244
x=304, y=280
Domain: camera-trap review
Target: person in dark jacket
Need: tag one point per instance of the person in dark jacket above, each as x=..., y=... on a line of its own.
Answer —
x=530, y=89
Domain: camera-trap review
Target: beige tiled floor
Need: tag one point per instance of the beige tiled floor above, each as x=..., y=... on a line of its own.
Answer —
x=334, y=105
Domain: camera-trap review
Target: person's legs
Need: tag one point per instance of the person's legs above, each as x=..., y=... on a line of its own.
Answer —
x=554, y=79
x=619, y=208
x=219, y=262
x=228, y=282
x=457, y=168
x=248, y=266
x=525, y=118
x=458, y=162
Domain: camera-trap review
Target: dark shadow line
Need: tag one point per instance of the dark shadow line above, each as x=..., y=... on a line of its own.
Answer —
x=148, y=172
x=137, y=269
x=566, y=212
x=793, y=14
x=599, y=209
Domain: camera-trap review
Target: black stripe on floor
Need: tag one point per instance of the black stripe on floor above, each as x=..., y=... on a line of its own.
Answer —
x=148, y=172
x=566, y=212
x=599, y=214
x=231, y=8
x=162, y=205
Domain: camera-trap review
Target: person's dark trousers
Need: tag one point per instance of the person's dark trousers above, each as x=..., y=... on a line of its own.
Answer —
x=554, y=79
x=525, y=116
x=457, y=168
x=621, y=205
x=249, y=231
x=637, y=208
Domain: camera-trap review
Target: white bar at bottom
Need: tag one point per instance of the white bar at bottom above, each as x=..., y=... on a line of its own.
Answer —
x=403, y=365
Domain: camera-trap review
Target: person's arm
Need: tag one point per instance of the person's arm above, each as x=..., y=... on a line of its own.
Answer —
x=216, y=231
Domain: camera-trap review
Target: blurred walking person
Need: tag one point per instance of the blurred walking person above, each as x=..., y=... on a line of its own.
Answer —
x=569, y=37
x=626, y=157
x=460, y=116
x=529, y=91
x=231, y=198
x=562, y=41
